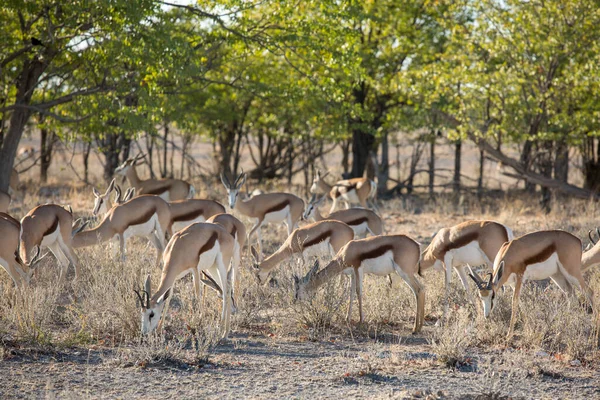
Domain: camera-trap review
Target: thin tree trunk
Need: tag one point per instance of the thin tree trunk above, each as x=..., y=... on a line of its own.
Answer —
x=561, y=163
x=86, y=160
x=384, y=167
x=432, y=166
x=481, y=172
x=163, y=172
x=457, y=167
x=47, y=140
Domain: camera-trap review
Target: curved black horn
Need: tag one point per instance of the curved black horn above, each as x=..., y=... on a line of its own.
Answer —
x=139, y=297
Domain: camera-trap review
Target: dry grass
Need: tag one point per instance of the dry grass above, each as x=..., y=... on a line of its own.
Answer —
x=101, y=309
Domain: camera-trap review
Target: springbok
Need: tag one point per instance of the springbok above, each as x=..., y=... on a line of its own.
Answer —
x=187, y=212
x=102, y=202
x=4, y=201
x=317, y=239
x=147, y=216
x=48, y=225
x=591, y=256
x=361, y=220
x=167, y=189
x=471, y=243
x=535, y=256
x=351, y=191
x=197, y=248
x=268, y=207
x=378, y=255
x=9, y=251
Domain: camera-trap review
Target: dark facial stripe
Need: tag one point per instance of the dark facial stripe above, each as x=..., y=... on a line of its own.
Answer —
x=375, y=252
x=323, y=236
x=541, y=256
x=159, y=190
x=357, y=221
x=144, y=218
x=278, y=207
x=190, y=216
x=461, y=241
x=210, y=243
x=52, y=227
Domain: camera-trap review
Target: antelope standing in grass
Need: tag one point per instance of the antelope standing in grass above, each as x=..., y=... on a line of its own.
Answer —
x=265, y=208
x=147, y=216
x=361, y=220
x=379, y=255
x=469, y=243
x=197, y=248
x=591, y=257
x=186, y=212
x=316, y=239
x=352, y=191
x=10, y=229
x=51, y=226
x=539, y=255
x=4, y=201
x=167, y=189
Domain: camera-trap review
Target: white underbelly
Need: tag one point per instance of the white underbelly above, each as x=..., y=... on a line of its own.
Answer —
x=351, y=196
x=317, y=250
x=50, y=239
x=381, y=266
x=540, y=271
x=144, y=229
x=360, y=229
x=469, y=254
x=179, y=225
x=277, y=216
x=166, y=196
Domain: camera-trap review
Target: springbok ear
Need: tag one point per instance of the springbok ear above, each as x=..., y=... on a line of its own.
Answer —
x=225, y=181
x=147, y=285
x=499, y=273
x=164, y=296
x=321, y=200
x=318, y=174
x=325, y=174
x=241, y=180
x=312, y=199
x=111, y=186
x=254, y=254
x=96, y=192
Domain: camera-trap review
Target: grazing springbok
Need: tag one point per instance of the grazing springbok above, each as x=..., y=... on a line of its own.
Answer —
x=361, y=220
x=167, y=189
x=10, y=229
x=591, y=256
x=265, y=208
x=147, y=216
x=197, y=248
x=48, y=225
x=4, y=201
x=378, y=255
x=535, y=256
x=471, y=243
x=317, y=239
x=352, y=191
x=187, y=212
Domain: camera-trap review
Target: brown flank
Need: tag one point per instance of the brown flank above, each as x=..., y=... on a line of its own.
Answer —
x=375, y=252
x=357, y=221
x=278, y=207
x=192, y=215
x=52, y=227
x=541, y=256
x=10, y=219
x=323, y=236
x=159, y=190
x=460, y=242
x=210, y=243
x=144, y=218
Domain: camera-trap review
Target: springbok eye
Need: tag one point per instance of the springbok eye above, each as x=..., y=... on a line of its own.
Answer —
x=151, y=315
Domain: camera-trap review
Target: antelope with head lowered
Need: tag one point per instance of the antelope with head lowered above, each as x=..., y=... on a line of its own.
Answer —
x=352, y=191
x=394, y=255
x=265, y=208
x=147, y=216
x=361, y=220
x=187, y=212
x=469, y=243
x=9, y=251
x=316, y=239
x=167, y=189
x=48, y=225
x=539, y=255
x=197, y=248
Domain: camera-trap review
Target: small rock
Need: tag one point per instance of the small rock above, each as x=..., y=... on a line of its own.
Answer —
x=575, y=363
x=542, y=354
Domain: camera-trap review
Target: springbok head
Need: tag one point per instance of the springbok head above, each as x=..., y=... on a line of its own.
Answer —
x=313, y=204
x=233, y=190
x=300, y=292
x=487, y=291
x=316, y=179
x=151, y=310
x=101, y=199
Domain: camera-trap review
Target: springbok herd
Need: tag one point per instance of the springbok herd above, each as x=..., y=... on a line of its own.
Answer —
x=207, y=242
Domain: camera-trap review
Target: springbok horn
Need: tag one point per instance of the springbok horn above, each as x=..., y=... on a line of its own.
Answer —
x=35, y=258
x=139, y=297
x=118, y=191
x=225, y=180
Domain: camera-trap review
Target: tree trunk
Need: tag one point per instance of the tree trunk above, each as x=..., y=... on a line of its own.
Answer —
x=384, y=166
x=457, y=167
x=561, y=162
x=86, y=160
x=432, y=165
x=163, y=172
x=481, y=172
x=345, y=145
x=546, y=170
x=526, y=162
x=46, y=147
